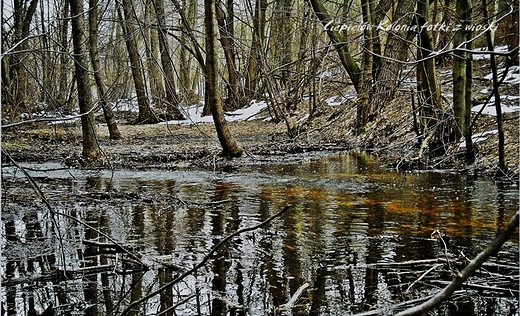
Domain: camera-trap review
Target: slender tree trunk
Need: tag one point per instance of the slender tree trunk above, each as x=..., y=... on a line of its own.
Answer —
x=91, y=151
x=468, y=132
x=226, y=25
x=396, y=49
x=187, y=75
x=500, y=124
x=15, y=87
x=128, y=23
x=257, y=42
x=63, y=72
x=513, y=35
x=461, y=86
x=155, y=78
x=94, y=58
x=340, y=44
x=365, y=89
x=429, y=92
x=167, y=63
x=282, y=46
x=229, y=146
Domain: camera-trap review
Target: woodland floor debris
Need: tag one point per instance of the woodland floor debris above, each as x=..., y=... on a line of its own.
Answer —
x=390, y=136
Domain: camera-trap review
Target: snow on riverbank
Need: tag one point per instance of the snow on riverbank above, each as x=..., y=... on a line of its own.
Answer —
x=193, y=114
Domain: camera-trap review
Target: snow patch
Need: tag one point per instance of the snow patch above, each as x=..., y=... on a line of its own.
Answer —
x=512, y=76
x=193, y=114
x=491, y=110
x=479, y=137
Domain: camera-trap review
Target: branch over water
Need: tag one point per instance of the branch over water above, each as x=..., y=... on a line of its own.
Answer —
x=204, y=260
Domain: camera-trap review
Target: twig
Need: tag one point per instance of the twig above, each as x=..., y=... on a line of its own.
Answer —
x=423, y=275
x=406, y=263
x=476, y=263
x=54, y=212
x=480, y=287
x=203, y=261
x=294, y=298
x=176, y=305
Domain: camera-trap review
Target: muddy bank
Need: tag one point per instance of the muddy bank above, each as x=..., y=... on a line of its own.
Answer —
x=390, y=137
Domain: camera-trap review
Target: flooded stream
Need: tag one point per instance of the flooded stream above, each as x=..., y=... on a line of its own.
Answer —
x=349, y=220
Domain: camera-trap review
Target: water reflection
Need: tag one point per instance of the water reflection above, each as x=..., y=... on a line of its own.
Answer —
x=347, y=217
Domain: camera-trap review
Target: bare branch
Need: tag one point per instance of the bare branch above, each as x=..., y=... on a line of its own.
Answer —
x=204, y=260
x=467, y=272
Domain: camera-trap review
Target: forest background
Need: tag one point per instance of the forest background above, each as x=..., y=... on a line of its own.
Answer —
x=126, y=84
x=409, y=79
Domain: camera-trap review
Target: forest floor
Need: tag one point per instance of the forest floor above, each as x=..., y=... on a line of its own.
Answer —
x=390, y=136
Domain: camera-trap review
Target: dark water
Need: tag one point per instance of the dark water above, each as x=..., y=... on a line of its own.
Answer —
x=348, y=218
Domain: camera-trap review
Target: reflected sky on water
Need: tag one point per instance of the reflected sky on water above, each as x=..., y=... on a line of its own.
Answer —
x=348, y=217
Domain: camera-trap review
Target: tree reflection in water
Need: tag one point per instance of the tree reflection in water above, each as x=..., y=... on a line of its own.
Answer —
x=347, y=219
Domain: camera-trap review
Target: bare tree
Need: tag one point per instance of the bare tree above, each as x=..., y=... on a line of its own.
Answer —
x=225, y=19
x=94, y=57
x=461, y=87
x=167, y=63
x=14, y=75
x=496, y=93
x=91, y=151
x=340, y=43
x=396, y=49
x=257, y=42
x=229, y=146
x=128, y=24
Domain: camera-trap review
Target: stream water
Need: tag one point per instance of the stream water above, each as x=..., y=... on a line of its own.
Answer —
x=349, y=221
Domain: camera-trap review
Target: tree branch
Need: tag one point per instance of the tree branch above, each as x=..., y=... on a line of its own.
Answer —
x=475, y=264
x=204, y=260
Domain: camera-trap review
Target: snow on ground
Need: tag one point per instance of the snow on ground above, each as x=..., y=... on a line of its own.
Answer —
x=512, y=76
x=501, y=49
x=491, y=110
x=193, y=114
x=479, y=137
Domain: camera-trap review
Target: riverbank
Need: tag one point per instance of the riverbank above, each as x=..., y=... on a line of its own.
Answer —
x=390, y=137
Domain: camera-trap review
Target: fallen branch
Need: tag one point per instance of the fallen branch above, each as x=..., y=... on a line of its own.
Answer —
x=410, y=263
x=53, y=213
x=475, y=264
x=423, y=275
x=294, y=298
x=203, y=261
x=377, y=312
x=479, y=287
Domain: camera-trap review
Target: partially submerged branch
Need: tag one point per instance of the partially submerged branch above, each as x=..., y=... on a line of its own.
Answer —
x=475, y=264
x=204, y=260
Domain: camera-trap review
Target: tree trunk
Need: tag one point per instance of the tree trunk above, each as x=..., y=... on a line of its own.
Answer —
x=229, y=146
x=155, y=77
x=468, y=133
x=235, y=96
x=428, y=89
x=94, y=57
x=15, y=88
x=64, y=67
x=255, y=56
x=169, y=74
x=365, y=89
x=461, y=86
x=496, y=93
x=91, y=151
x=396, y=49
x=128, y=23
x=187, y=75
x=513, y=39
x=340, y=44
x=281, y=28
